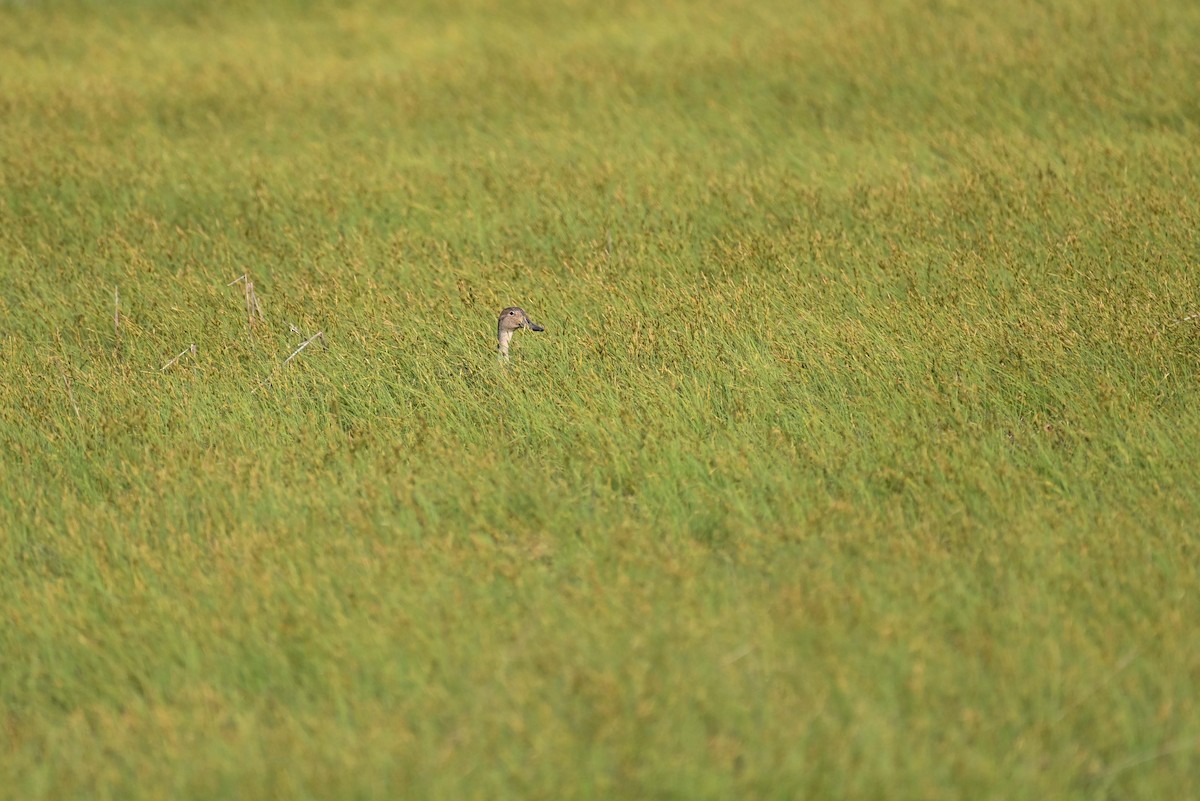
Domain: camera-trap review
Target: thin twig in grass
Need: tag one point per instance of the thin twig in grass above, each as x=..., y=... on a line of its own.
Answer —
x=117, y=313
x=71, y=394
x=66, y=378
x=1122, y=663
x=1127, y=764
x=254, y=308
x=1189, y=318
x=319, y=335
x=738, y=654
x=190, y=349
x=254, y=301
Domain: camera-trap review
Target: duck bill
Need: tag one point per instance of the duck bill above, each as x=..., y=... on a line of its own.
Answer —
x=532, y=326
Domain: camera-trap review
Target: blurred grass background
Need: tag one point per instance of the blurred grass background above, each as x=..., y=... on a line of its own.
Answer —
x=858, y=459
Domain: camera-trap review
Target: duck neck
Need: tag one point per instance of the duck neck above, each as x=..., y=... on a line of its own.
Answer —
x=505, y=337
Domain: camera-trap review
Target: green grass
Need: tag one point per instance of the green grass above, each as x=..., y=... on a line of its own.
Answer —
x=859, y=459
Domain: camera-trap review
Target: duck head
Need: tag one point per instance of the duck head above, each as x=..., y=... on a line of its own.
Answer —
x=512, y=319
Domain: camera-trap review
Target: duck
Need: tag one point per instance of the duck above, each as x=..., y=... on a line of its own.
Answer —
x=511, y=319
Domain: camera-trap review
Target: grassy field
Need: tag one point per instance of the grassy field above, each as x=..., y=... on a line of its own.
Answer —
x=859, y=459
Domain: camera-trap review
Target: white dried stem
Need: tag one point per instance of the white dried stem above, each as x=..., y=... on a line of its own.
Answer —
x=319, y=335
x=257, y=306
x=71, y=394
x=1173, y=747
x=189, y=349
x=253, y=305
x=248, y=295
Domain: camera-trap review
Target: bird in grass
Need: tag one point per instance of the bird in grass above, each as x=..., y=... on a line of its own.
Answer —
x=510, y=320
